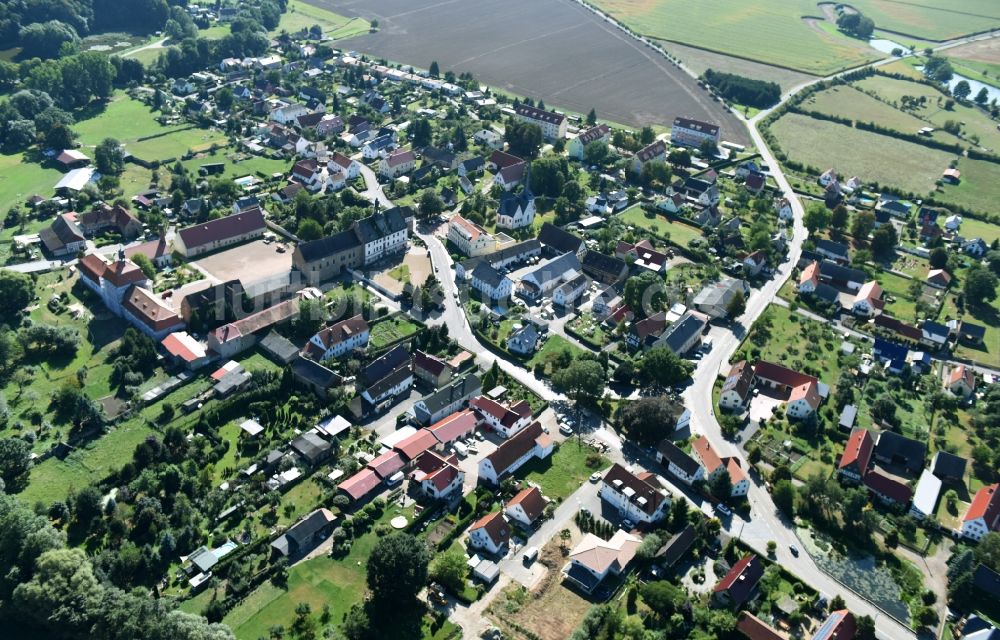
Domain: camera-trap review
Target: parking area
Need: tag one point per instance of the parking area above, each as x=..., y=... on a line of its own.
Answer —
x=249, y=263
x=763, y=404
x=412, y=268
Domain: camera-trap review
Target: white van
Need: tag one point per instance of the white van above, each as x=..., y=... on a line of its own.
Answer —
x=530, y=555
x=460, y=449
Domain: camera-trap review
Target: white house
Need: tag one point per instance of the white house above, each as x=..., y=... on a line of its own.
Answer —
x=983, y=514
x=637, y=498
x=439, y=476
x=505, y=421
x=490, y=533
x=471, y=239
x=737, y=387
x=383, y=233
x=692, y=133
x=705, y=454
x=598, y=133
x=594, y=559
x=351, y=168
x=337, y=340
x=570, y=291
x=678, y=463
x=487, y=137
x=288, y=114
x=516, y=211
x=926, y=495
x=396, y=164
x=526, y=507
x=553, y=125
x=784, y=208
x=491, y=283
x=531, y=442
x=868, y=300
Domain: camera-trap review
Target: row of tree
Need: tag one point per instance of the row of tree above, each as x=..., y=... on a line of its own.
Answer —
x=735, y=88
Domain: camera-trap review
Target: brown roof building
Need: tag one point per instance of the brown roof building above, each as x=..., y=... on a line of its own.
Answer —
x=220, y=233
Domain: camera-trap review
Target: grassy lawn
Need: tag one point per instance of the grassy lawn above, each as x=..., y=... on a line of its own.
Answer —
x=850, y=102
x=554, y=345
x=134, y=123
x=339, y=583
x=784, y=337
x=678, y=233
x=822, y=144
x=565, y=470
x=770, y=31
x=972, y=228
x=237, y=165
x=303, y=16
x=390, y=330
x=903, y=307
x=979, y=189
x=590, y=330
x=974, y=121
x=400, y=272
x=20, y=179
x=989, y=352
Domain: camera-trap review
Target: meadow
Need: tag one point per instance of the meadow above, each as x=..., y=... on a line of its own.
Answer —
x=848, y=102
x=974, y=122
x=303, y=16
x=134, y=124
x=885, y=160
x=979, y=188
x=924, y=20
x=678, y=233
x=769, y=31
x=21, y=178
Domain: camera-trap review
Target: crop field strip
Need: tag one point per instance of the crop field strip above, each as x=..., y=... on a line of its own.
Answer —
x=563, y=54
x=791, y=33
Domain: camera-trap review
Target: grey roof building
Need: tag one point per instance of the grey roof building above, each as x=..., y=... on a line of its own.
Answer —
x=311, y=447
x=447, y=399
x=304, y=535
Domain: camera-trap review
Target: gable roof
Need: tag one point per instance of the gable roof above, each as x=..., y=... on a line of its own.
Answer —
x=485, y=273
x=331, y=245
x=741, y=580
x=223, y=228
x=780, y=374
x=516, y=446
x=683, y=330
x=948, y=465
x=707, y=453
x=560, y=240
x=534, y=113
x=889, y=487
x=495, y=526
x=460, y=388
x=599, y=555
x=149, y=309
x=454, y=426
x=697, y=125
x=382, y=224
x=740, y=379
x=336, y=334
x=604, y=264
x=387, y=464
x=891, y=444
x=858, y=450
x=414, y=445
x=839, y=626
x=674, y=454
x=531, y=501
x=985, y=504
x=382, y=366
x=677, y=546
x=756, y=629
x=639, y=490
x=429, y=363
x=651, y=151
x=594, y=133
x=360, y=484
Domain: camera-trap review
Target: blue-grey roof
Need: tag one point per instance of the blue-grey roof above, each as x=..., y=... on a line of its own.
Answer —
x=680, y=332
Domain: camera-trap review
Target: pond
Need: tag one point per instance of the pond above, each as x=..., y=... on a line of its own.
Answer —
x=977, y=86
x=886, y=46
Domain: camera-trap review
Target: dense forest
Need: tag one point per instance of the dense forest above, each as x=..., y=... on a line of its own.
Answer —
x=746, y=91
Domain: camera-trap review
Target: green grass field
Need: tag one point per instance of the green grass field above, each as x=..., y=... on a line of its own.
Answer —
x=972, y=228
x=974, y=122
x=564, y=471
x=390, y=330
x=303, y=16
x=874, y=157
x=979, y=189
x=903, y=307
x=770, y=31
x=236, y=167
x=848, y=102
x=20, y=178
x=553, y=345
x=135, y=124
x=678, y=233
x=945, y=21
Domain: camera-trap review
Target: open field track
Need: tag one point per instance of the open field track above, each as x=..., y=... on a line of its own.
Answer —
x=563, y=54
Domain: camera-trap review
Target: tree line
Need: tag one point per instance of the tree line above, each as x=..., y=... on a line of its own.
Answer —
x=755, y=93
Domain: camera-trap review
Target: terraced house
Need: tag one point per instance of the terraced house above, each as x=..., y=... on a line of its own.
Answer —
x=552, y=124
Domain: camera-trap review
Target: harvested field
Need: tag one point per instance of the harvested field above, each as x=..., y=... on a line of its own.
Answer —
x=550, y=49
x=946, y=21
x=698, y=60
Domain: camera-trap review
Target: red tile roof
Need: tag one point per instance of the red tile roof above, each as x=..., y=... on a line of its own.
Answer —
x=360, y=484
x=431, y=364
x=386, y=464
x=756, y=629
x=454, y=426
x=123, y=272
x=531, y=502
x=858, y=450
x=496, y=527
x=92, y=267
x=518, y=445
x=888, y=487
x=150, y=310
x=222, y=228
x=416, y=444
x=709, y=458
x=986, y=505
x=619, y=478
x=781, y=375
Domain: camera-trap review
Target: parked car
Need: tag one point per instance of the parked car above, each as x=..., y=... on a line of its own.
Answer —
x=530, y=555
x=594, y=477
x=723, y=509
x=565, y=429
x=627, y=525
